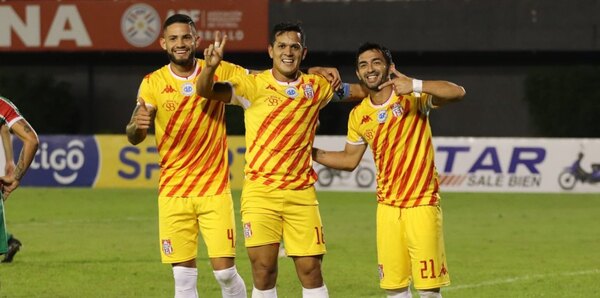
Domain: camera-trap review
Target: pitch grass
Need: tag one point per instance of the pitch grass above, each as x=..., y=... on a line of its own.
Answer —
x=103, y=243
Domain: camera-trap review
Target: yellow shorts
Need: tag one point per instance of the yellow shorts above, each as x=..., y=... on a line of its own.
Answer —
x=180, y=220
x=410, y=245
x=272, y=215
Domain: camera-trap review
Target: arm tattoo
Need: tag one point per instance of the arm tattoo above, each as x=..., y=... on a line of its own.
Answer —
x=27, y=128
x=19, y=170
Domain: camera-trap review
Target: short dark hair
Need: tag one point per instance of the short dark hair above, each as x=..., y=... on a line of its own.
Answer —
x=178, y=18
x=287, y=27
x=367, y=46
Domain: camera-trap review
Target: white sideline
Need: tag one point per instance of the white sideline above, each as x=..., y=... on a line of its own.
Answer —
x=518, y=279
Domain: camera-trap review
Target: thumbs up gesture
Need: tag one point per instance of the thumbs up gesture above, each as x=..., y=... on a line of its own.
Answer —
x=142, y=116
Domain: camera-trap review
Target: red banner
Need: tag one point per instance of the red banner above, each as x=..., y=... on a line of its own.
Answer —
x=121, y=25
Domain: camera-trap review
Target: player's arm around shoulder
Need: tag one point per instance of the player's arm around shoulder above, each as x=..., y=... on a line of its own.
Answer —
x=346, y=160
x=206, y=85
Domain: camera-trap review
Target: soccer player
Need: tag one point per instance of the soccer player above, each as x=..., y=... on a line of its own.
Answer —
x=194, y=189
x=278, y=197
x=393, y=121
x=194, y=192
x=12, y=120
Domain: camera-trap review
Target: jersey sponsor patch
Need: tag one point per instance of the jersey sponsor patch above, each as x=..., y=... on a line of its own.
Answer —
x=167, y=247
x=291, y=92
x=381, y=116
x=247, y=230
x=187, y=89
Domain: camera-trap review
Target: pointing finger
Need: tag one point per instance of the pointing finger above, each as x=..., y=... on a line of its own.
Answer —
x=387, y=83
x=395, y=72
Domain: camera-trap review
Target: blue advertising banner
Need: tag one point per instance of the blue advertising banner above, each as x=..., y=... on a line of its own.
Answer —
x=62, y=160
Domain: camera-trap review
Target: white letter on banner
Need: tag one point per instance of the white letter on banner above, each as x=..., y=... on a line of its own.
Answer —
x=58, y=32
x=28, y=31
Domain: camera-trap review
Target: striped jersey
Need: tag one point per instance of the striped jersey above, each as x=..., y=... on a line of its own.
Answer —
x=9, y=114
x=399, y=135
x=281, y=119
x=190, y=132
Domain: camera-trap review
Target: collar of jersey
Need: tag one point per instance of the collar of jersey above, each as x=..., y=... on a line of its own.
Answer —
x=192, y=76
x=387, y=102
x=294, y=83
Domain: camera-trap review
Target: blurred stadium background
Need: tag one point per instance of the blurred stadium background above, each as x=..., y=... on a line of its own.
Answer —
x=496, y=50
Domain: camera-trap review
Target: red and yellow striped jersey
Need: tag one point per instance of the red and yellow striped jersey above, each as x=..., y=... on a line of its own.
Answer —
x=400, y=137
x=190, y=132
x=281, y=120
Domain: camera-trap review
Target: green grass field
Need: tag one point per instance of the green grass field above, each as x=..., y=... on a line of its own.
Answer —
x=103, y=243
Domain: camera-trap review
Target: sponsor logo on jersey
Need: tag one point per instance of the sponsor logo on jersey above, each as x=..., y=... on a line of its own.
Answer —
x=170, y=105
x=291, y=92
x=365, y=119
x=168, y=89
x=272, y=101
x=369, y=134
x=270, y=87
x=381, y=116
x=187, y=89
x=167, y=247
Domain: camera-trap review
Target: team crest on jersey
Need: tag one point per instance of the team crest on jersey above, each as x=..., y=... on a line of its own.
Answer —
x=247, y=230
x=167, y=247
x=291, y=92
x=309, y=92
x=381, y=116
x=380, y=269
x=187, y=89
x=397, y=110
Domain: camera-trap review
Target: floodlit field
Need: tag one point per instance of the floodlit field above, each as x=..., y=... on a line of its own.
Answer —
x=103, y=243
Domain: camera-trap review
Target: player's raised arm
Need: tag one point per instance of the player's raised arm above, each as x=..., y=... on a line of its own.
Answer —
x=206, y=86
x=443, y=92
x=346, y=160
x=140, y=122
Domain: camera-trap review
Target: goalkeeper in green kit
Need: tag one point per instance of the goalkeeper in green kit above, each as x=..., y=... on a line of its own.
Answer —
x=12, y=121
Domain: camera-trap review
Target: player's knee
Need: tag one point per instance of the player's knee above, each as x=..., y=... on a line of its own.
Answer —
x=225, y=276
x=430, y=293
